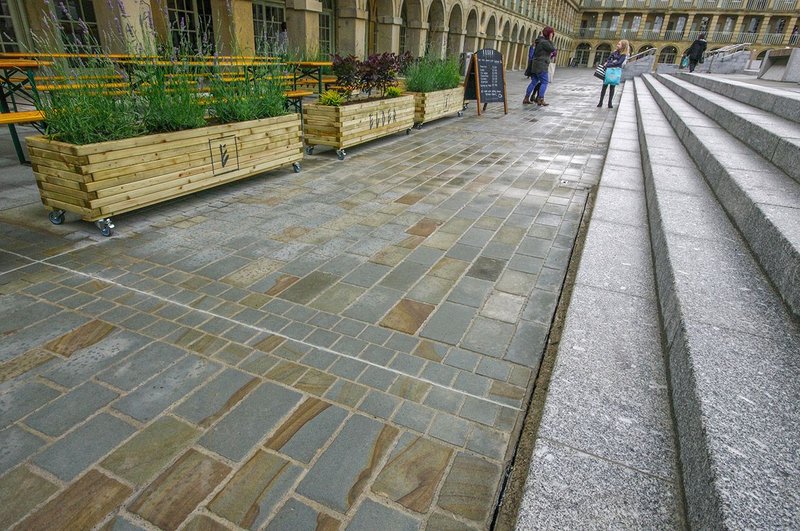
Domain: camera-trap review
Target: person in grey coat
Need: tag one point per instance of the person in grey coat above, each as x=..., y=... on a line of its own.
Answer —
x=696, y=51
x=541, y=61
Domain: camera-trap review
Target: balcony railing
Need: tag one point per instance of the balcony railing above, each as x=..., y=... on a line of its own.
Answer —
x=651, y=35
x=682, y=4
x=746, y=37
x=757, y=5
x=608, y=33
x=587, y=33
x=722, y=36
x=773, y=38
x=731, y=4
x=693, y=35
x=629, y=34
x=673, y=35
x=784, y=5
x=614, y=3
x=636, y=4
x=659, y=4
x=707, y=4
x=592, y=3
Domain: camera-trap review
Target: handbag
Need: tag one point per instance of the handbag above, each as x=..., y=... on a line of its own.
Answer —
x=551, y=71
x=529, y=69
x=613, y=76
x=600, y=71
x=685, y=61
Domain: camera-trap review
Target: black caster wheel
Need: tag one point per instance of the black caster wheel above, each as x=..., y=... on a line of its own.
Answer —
x=296, y=167
x=408, y=131
x=105, y=226
x=418, y=126
x=309, y=150
x=460, y=114
x=56, y=217
x=340, y=153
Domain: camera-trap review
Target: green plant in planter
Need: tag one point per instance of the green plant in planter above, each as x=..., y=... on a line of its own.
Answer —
x=331, y=98
x=393, y=92
x=244, y=94
x=430, y=74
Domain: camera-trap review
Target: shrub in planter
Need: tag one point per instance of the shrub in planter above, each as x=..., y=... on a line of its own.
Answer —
x=435, y=84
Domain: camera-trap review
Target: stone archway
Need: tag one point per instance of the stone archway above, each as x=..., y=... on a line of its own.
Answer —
x=471, y=41
x=491, y=33
x=437, y=34
x=602, y=52
x=383, y=28
x=505, y=45
x=515, y=47
x=668, y=55
x=582, y=54
x=413, y=31
x=455, y=33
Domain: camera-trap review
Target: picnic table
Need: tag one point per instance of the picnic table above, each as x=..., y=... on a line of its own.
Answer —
x=308, y=70
x=17, y=79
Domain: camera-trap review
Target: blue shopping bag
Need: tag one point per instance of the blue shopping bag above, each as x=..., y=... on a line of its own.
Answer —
x=685, y=61
x=613, y=76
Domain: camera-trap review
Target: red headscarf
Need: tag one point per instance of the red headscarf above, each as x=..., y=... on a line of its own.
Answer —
x=548, y=33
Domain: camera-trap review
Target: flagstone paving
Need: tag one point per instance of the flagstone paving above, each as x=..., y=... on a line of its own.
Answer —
x=350, y=347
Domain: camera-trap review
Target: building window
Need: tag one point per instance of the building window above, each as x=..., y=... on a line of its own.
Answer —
x=267, y=20
x=403, y=27
x=667, y=55
x=327, y=37
x=602, y=53
x=582, y=54
x=191, y=26
x=8, y=35
x=78, y=22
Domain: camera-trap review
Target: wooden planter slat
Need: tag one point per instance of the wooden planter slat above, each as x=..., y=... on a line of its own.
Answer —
x=109, y=178
x=429, y=106
x=349, y=124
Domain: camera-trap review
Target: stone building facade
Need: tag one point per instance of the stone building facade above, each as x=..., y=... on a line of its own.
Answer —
x=585, y=32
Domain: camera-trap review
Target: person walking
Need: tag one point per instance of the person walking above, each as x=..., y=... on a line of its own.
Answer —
x=696, y=51
x=532, y=92
x=544, y=49
x=615, y=60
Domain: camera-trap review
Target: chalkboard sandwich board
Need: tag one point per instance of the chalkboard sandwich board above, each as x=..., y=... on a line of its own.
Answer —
x=486, y=79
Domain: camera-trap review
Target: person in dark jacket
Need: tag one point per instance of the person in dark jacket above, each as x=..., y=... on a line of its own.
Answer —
x=541, y=61
x=696, y=51
x=615, y=60
x=531, y=95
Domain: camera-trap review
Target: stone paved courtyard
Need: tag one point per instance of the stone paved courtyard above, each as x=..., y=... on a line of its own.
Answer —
x=353, y=346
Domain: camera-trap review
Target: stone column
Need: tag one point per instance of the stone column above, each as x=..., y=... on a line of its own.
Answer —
x=455, y=43
x=415, y=37
x=438, y=41
x=233, y=27
x=389, y=34
x=302, y=25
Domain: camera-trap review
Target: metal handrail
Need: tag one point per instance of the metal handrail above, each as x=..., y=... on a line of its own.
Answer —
x=728, y=50
x=640, y=55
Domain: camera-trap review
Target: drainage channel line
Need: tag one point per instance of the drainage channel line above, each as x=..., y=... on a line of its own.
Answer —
x=256, y=328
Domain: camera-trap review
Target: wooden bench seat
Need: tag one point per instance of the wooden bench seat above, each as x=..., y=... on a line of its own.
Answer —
x=21, y=117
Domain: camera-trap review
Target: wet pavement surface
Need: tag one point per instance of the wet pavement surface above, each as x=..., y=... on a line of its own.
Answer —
x=352, y=346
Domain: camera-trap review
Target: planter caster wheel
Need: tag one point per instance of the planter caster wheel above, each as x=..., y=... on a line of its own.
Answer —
x=56, y=217
x=296, y=167
x=309, y=150
x=460, y=114
x=340, y=153
x=417, y=126
x=105, y=226
x=408, y=131
x=466, y=105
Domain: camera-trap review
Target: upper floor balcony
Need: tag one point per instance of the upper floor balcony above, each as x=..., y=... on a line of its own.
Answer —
x=673, y=35
x=723, y=5
x=714, y=37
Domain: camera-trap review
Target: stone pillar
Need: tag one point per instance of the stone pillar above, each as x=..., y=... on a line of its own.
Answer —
x=415, y=37
x=455, y=43
x=302, y=25
x=233, y=27
x=389, y=34
x=438, y=41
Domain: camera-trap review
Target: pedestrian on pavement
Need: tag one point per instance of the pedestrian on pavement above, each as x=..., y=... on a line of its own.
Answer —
x=534, y=94
x=542, y=53
x=696, y=51
x=615, y=60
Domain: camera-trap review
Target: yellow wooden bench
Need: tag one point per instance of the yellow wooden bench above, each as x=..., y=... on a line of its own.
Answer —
x=21, y=117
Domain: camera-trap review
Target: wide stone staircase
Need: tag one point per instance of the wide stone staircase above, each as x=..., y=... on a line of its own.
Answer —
x=675, y=396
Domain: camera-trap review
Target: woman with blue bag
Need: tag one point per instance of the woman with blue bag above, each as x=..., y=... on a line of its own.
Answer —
x=614, y=71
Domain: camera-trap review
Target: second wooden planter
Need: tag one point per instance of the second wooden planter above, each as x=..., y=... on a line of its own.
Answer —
x=356, y=122
x=429, y=106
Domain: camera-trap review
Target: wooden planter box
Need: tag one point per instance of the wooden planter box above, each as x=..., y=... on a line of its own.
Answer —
x=429, y=106
x=108, y=178
x=356, y=122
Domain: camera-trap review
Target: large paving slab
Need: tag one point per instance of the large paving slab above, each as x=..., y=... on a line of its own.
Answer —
x=347, y=346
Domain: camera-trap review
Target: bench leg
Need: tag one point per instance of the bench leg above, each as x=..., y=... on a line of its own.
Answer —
x=17, y=145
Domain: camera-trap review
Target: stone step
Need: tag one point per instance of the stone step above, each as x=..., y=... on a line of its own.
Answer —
x=606, y=450
x=775, y=138
x=775, y=100
x=762, y=201
x=732, y=347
